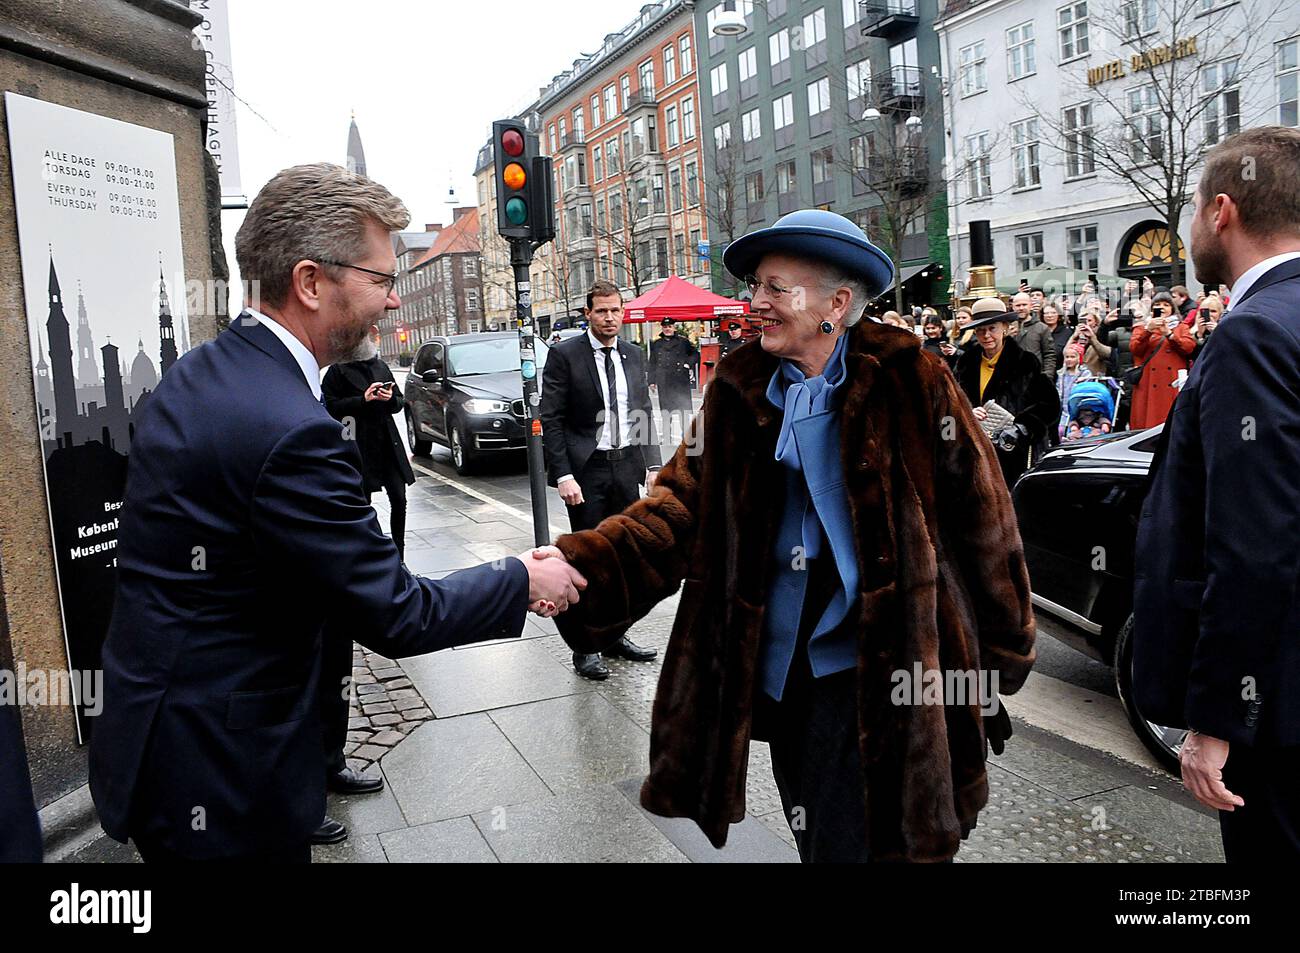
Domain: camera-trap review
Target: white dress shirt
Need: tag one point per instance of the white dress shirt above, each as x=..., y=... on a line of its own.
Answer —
x=1253, y=274
x=306, y=360
x=603, y=442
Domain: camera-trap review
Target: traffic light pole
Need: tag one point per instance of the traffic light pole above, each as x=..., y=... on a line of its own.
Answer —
x=521, y=256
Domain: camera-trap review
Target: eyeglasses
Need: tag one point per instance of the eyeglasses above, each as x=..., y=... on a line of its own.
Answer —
x=389, y=279
x=773, y=290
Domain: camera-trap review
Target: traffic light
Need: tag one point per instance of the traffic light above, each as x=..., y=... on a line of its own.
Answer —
x=525, y=202
x=401, y=335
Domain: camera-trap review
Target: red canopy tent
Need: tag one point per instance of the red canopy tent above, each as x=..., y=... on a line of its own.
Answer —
x=682, y=301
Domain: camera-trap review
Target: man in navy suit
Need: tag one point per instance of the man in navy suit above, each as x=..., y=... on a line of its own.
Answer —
x=245, y=527
x=1216, y=604
x=599, y=435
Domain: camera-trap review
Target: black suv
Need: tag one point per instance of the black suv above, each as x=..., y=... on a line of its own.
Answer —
x=465, y=392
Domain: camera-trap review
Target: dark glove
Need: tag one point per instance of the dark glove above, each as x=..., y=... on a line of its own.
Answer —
x=1010, y=438
x=997, y=728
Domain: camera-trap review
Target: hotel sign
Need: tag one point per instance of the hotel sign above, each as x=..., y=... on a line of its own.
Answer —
x=1144, y=60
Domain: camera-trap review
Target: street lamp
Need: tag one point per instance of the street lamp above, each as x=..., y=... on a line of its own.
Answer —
x=871, y=112
x=913, y=124
x=729, y=22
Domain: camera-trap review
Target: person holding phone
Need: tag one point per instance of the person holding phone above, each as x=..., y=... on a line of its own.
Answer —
x=1162, y=346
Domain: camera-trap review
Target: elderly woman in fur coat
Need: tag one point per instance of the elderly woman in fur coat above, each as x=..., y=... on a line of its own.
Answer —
x=837, y=490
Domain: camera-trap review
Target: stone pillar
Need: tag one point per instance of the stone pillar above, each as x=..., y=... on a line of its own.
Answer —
x=137, y=61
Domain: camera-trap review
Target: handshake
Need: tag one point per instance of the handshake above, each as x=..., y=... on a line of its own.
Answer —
x=553, y=585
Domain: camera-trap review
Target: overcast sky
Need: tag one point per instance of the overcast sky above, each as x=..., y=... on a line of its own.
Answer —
x=425, y=78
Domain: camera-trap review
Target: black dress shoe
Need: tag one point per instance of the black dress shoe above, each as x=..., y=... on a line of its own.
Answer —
x=626, y=648
x=329, y=832
x=590, y=666
x=352, y=781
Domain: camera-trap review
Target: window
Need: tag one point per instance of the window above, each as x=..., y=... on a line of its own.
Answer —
x=657, y=194
x=595, y=112
x=597, y=165
x=819, y=96
x=851, y=9
x=646, y=76
x=612, y=156
x=1139, y=18
x=684, y=46
x=1222, y=114
x=471, y=299
x=695, y=240
x=1077, y=125
x=670, y=117
x=579, y=125
x=600, y=216
x=611, y=103
x=1288, y=82
x=1029, y=251
x=555, y=146
x=469, y=267
x=778, y=49
x=1024, y=153
x=718, y=79
x=670, y=64
x=748, y=64
x=974, y=75
x=751, y=125
x=688, y=118
x=1020, y=51
x=754, y=187
x=675, y=188
x=857, y=79
x=722, y=136
x=783, y=111
x=661, y=257
x=692, y=185
x=979, y=174
x=814, y=27
x=679, y=253
x=859, y=152
x=1072, y=29
x=616, y=211
x=564, y=130
x=786, y=181
x=1145, y=123
x=823, y=165
x=1082, y=248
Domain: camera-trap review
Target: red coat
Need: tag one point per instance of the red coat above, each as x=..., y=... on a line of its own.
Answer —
x=1154, y=395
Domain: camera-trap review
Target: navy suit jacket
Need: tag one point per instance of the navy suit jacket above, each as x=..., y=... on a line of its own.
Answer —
x=1216, y=607
x=245, y=528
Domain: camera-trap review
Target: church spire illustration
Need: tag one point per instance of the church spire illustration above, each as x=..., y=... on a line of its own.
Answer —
x=166, y=333
x=65, y=386
x=87, y=369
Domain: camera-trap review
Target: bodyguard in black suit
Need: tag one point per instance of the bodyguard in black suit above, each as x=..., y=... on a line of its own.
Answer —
x=244, y=528
x=1216, y=603
x=598, y=431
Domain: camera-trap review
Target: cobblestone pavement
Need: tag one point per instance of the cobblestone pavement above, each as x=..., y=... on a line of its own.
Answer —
x=500, y=752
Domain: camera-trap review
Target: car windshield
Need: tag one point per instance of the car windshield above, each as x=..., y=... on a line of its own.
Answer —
x=490, y=356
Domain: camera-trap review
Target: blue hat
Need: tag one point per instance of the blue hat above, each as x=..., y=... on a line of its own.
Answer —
x=818, y=235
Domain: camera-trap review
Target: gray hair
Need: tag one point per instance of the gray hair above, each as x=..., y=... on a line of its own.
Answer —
x=833, y=278
x=317, y=211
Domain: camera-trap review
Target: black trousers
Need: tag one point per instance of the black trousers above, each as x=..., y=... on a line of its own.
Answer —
x=334, y=695
x=608, y=487
x=813, y=734
x=1267, y=829
x=154, y=853
x=395, y=487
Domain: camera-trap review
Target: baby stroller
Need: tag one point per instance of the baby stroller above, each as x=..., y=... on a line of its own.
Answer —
x=1090, y=408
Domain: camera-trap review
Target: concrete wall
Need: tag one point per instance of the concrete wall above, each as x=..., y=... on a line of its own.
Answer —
x=132, y=60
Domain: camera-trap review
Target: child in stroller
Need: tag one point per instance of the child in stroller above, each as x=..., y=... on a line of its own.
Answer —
x=1091, y=408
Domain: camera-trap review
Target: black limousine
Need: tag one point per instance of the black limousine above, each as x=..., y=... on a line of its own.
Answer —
x=1078, y=510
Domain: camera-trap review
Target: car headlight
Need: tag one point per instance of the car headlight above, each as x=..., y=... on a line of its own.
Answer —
x=479, y=405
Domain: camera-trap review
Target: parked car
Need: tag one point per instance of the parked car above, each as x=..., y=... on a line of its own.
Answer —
x=465, y=392
x=1078, y=510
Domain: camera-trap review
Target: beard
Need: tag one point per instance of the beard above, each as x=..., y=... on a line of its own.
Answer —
x=348, y=336
x=365, y=351
x=1209, y=261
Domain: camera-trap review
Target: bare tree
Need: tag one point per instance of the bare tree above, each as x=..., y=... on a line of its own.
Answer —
x=738, y=196
x=1152, y=136
x=623, y=232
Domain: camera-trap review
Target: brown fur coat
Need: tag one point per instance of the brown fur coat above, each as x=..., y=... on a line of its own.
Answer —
x=942, y=577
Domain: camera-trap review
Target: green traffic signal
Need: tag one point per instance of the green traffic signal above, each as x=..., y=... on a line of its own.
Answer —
x=517, y=211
